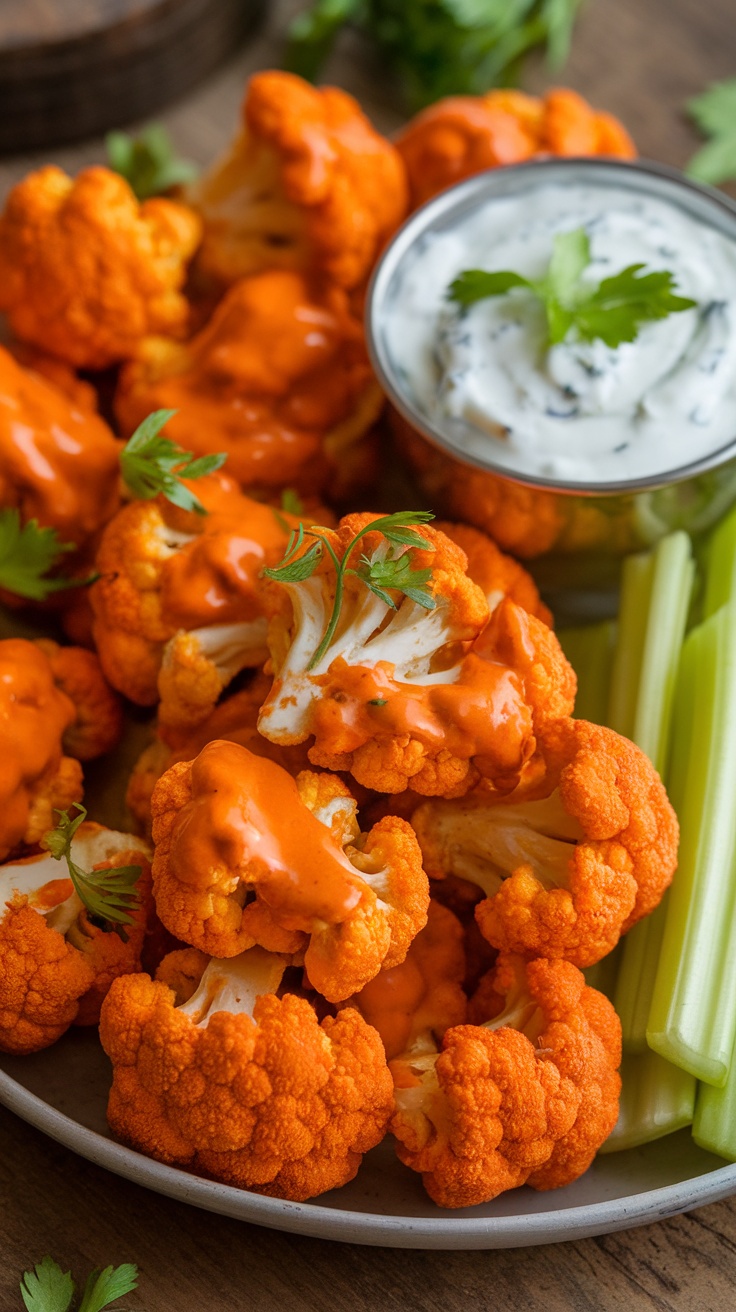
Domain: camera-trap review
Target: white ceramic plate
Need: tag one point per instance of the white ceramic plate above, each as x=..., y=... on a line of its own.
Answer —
x=63, y=1092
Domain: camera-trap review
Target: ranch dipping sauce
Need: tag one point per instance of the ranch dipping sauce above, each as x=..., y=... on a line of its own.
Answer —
x=578, y=412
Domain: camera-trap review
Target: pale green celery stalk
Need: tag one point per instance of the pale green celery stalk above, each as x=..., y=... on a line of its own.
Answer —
x=714, y=1126
x=656, y=1099
x=590, y=652
x=655, y=600
x=720, y=567
x=692, y=1021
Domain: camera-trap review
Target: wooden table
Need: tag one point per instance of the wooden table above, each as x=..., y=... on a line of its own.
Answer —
x=641, y=59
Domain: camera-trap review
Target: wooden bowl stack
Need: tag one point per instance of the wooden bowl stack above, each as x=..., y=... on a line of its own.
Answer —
x=74, y=68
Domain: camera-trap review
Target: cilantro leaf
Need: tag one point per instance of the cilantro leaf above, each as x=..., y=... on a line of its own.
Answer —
x=105, y=1287
x=148, y=162
x=109, y=895
x=291, y=502
x=27, y=553
x=395, y=572
x=438, y=48
x=611, y=310
x=714, y=113
x=151, y=464
x=47, y=1288
x=378, y=574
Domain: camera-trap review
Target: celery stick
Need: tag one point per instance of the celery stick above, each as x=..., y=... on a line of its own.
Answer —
x=656, y=1099
x=714, y=1126
x=692, y=1021
x=590, y=652
x=720, y=567
x=655, y=600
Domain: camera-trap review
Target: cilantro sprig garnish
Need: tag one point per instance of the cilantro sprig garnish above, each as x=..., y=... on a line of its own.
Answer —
x=714, y=112
x=46, y=1288
x=109, y=895
x=148, y=162
x=612, y=310
x=437, y=48
x=390, y=571
x=152, y=465
x=27, y=554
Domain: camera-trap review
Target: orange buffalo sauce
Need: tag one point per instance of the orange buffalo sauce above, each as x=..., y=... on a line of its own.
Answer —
x=213, y=579
x=482, y=713
x=34, y=714
x=58, y=460
x=246, y=814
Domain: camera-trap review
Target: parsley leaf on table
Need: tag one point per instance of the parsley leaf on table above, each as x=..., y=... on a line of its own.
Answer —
x=438, y=47
x=151, y=464
x=109, y=895
x=714, y=112
x=148, y=162
x=49, y=1289
x=611, y=310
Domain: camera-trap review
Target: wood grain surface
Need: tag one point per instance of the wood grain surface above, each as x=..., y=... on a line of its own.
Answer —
x=642, y=59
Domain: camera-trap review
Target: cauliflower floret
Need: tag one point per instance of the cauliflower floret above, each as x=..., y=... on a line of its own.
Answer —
x=35, y=714
x=463, y=135
x=279, y=379
x=567, y=874
x=235, y=719
x=392, y=694
x=86, y=271
x=423, y=996
x=229, y=873
x=527, y=1097
x=497, y=575
x=99, y=713
x=177, y=611
x=58, y=460
x=308, y=184
x=240, y=1084
x=56, y=964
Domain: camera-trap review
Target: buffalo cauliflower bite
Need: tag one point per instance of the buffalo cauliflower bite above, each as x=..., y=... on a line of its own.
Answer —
x=395, y=697
x=247, y=855
x=279, y=379
x=527, y=1097
x=423, y=996
x=176, y=608
x=86, y=271
x=564, y=875
x=58, y=459
x=307, y=185
x=56, y=963
x=496, y=574
x=235, y=719
x=35, y=775
x=464, y=135
x=235, y=1082
x=99, y=715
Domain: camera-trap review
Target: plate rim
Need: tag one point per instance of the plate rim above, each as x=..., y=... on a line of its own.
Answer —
x=367, y=1228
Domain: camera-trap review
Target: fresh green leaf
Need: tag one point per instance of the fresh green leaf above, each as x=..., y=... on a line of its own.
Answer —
x=105, y=1287
x=612, y=310
x=47, y=1288
x=475, y=285
x=399, y=528
x=109, y=895
x=27, y=554
x=714, y=112
x=291, y=502
x=438, y=47
x=152, y=465
x=396, y=572
x=296, y=571
x=148, y=162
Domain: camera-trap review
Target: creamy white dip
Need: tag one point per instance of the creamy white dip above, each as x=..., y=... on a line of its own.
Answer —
x=579, y=412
